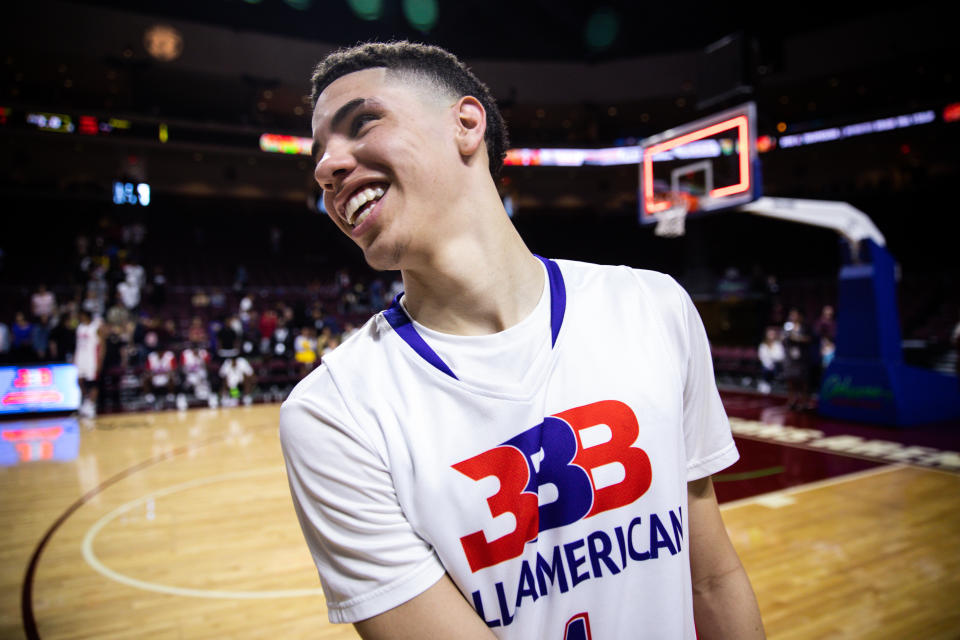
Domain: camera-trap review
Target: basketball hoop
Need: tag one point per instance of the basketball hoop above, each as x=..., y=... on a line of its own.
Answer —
x=671, y=222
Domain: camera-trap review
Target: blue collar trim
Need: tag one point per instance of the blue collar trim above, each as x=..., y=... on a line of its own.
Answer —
x=401, y=323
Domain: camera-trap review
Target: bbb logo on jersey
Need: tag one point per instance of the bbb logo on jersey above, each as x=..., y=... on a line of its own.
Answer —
x=557, y=473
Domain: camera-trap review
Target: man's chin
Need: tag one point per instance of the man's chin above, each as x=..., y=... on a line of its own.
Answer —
x=384, y=258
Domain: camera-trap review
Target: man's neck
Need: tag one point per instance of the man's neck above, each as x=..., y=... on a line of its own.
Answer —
x=479, y=283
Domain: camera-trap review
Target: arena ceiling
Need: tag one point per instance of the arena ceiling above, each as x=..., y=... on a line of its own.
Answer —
x=565, y=30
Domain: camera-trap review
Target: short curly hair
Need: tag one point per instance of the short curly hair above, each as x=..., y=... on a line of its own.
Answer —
x=432, y=63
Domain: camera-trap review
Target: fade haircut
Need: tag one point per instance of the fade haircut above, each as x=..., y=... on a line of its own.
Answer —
x=439, y=67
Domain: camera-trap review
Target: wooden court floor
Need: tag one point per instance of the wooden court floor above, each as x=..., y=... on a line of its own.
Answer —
x=179, y=525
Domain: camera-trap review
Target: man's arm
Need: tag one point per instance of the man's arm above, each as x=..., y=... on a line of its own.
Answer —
x=439, y=612
x=724, y=606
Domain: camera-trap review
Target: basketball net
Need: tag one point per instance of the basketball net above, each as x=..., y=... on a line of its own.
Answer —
x=671, y=222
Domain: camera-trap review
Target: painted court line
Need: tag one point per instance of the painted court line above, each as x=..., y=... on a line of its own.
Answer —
x=93, y=561
x=774, y=497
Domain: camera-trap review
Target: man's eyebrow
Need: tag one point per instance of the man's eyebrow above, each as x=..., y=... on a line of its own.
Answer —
x=341, y=114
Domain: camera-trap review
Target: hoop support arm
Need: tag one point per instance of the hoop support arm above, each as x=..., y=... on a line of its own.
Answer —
x=842, y=217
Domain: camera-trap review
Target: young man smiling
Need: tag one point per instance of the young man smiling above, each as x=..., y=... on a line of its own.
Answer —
x=518, y=447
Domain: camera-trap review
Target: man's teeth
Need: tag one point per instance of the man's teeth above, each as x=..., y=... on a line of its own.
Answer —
x=357, y=201
x=363, y=216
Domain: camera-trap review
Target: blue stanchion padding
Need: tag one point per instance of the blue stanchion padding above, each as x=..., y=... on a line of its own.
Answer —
x=867, y=380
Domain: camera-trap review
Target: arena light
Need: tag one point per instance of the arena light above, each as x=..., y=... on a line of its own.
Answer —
x=88, y=126
x=367, y=9
x=130, y=193
x=59, y=122
x=858, y=129
x=163, y=42
x=276, y=143
x=601, y=29
x=951, y=112
x=421, y=14
x=572, y=157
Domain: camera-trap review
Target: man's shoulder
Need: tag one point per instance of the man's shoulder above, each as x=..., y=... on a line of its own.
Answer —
x=360, y=345
x=579, y=274
x=359, y=351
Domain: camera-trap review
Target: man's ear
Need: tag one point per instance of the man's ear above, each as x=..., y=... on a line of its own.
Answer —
x=471, y=125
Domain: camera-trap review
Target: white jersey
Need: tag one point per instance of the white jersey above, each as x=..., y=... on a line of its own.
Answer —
x=87, y=354
x=556, y=502
x=194, y=361
x=161, y=362
x=161, y=366
x=234, y=370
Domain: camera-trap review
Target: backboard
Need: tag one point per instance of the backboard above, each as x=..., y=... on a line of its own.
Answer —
x=708, y=165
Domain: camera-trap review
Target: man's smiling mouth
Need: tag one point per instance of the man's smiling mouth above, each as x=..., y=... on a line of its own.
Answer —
x=359, y=206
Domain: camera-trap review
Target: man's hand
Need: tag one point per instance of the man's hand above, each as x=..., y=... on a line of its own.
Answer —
x=724, y=606
x=439, y=612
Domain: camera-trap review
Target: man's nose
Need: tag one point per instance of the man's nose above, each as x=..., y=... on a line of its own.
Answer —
x=335, y=164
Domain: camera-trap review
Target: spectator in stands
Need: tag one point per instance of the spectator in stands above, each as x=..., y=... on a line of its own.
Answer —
x=324, y=339
x=117, y=314
x=236, y=376
x=357, y=300
x=331, y=345
x=133, y=273
x=196, y=333
x=21, y=341
x=827, y=351
x=826, y=324
x=133, y=234
x=98, y=284
x=281, y=343
x=315, y=317
x=246, y=306
x=218, y=299
x=341, y=281
x=771, y=355
x=128, y=292
x=228, y=338
x=170, y=333
x=158, y=288
x=93, y=304
x=193, y=365
x=305, y=350
x=144, y=331
x=43, y=302
x=63, y=337
x=796, y=370
x=200, y=300
x=250, y=340
x=377, y=290
x=116, y=358
x=396, y=288
x=268, y=324
x=160, y=374
x=41, y=337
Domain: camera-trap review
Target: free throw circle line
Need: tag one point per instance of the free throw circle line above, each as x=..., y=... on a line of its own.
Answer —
x=94, y=562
